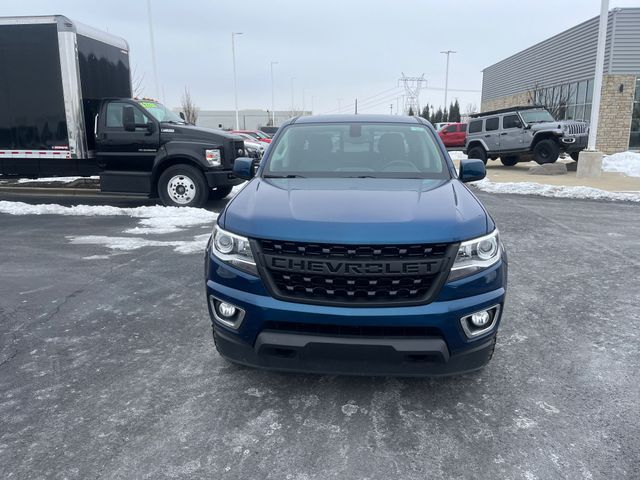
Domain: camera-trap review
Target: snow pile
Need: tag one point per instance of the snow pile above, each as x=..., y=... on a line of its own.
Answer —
x=555, y=191
x=53, y=179
x=457, y=155
x=196, y=245
x=627, y=163
x=154, y=219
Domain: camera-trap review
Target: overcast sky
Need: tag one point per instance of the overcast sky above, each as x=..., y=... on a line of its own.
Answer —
x=335, y=49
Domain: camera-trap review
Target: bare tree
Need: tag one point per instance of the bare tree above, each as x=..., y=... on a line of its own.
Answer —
x=555, y=98
x=137, y=83
x=189, y=108
x=471, y=108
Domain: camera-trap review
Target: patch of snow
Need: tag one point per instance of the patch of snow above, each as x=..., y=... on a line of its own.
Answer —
x=198, y=243
x=52, y=179
x=457, y=155
x=627, y=163
x=96, y=257
x=554, y=191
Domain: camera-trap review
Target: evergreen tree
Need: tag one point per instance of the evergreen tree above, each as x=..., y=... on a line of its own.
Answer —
x=438, y=117
x=410, y=112
x=425, y=113
x=454, y=112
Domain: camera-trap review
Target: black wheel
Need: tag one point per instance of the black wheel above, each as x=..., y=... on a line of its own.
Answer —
x=479, y=153
x=220, y=192
x=546, y=151
x=509, y=161
x=574, y=155
x=182, y=186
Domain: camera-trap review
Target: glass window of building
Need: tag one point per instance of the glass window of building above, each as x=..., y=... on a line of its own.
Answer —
x=634, y=139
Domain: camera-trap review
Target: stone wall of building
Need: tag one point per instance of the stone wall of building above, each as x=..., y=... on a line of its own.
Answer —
x=517, y=99
x=615, y=111
x=616, y=108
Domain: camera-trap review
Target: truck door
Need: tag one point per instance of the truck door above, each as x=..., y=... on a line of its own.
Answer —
x=512, y=133
x=127, y=138
x=492, y=133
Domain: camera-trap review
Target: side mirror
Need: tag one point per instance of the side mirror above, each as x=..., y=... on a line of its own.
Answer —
x=443, y=131
x=151, y=127
x=128, y=119
x=471, y=169
x=243, y=167
x=182, y=116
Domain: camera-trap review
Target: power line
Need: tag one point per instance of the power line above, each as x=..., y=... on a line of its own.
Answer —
x=412, y=87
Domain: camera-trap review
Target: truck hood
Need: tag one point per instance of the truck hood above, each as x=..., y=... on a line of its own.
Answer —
x=558, y=125
x=191, y=132
x=356, y=211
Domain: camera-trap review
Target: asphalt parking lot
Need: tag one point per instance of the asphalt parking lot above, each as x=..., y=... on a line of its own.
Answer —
x=107, y=366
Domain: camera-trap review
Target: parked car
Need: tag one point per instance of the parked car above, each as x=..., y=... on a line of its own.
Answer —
x=250, y=143
x=522, y=134
x=269, y=130
x=256, y=134
x=439, y=125
x=67, y=110
x=339, y=259
x=454, y=135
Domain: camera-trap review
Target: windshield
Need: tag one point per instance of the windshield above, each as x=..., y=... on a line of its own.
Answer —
x=160, y=112
x=261, y=134
x=347, y=150
x=536, y=116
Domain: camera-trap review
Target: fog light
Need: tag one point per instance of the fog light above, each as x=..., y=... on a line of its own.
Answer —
x=226, y=310
x=225, y=313
x=478, y=319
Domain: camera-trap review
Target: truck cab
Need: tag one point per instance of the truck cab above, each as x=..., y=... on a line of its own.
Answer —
x=143, y=147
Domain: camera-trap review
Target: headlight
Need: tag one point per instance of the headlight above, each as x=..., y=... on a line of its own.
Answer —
x=234, y=250
x=214, y=157
x=475, y=255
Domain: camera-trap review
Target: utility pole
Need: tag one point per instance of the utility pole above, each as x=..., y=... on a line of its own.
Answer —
x=356, y=112
x=391, y=109
x=446, y=78
x=292, y=112
x=153, y=51
x=273, y=111
x=412, y=87
x=235, y=79
x=597, y=81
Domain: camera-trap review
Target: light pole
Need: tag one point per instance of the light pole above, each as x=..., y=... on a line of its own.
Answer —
x=597, y=81
x=235, y=79
x=273, y=112
x=292, y=79
x=446, y=78
x=153, y=51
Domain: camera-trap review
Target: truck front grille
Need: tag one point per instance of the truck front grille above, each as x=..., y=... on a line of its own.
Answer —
x=577, y=128
x=354, y=275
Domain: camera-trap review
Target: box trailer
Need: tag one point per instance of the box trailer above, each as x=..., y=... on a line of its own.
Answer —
x=66, y=109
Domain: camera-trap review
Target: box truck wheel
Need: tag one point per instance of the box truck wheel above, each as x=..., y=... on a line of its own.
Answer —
x=182, y=186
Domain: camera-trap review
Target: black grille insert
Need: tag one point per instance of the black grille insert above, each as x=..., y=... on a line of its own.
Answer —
x=354, y=275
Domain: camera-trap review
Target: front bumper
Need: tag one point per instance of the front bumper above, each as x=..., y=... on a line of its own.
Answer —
x=221, y=178
x=290, y=336
x=575, y=143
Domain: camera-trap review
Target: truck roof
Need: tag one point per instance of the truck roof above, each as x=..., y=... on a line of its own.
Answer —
x=504, y=110
x=66, y=24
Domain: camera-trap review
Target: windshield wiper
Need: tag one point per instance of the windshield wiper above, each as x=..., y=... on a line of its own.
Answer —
x=284, y=176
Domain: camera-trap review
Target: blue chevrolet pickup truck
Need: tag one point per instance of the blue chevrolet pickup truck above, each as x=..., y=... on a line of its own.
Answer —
x=356, y=248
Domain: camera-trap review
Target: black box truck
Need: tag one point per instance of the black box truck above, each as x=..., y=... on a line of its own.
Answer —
x=66, y=109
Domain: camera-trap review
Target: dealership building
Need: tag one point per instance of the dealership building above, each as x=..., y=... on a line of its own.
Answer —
x=558, y=72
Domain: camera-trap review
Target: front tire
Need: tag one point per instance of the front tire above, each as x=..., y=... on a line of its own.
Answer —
x=574, y=156
x=220, y=192
x=478, y=153
x=546, y=151
x=509, y=161
x=182, y=186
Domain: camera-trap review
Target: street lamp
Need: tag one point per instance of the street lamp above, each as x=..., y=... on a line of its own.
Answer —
x=446, y=78
x=273, y=112
x=153, y=52
x=235, y=80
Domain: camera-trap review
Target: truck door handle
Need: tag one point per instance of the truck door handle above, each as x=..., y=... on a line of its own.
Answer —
x=487, y=135
x=504, y=133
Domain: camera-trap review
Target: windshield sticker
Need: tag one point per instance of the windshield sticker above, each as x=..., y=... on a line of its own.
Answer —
x=148, y=105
